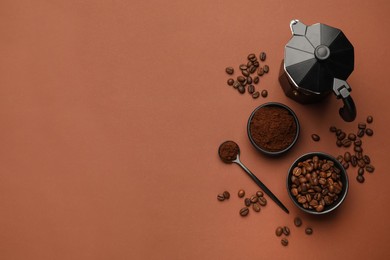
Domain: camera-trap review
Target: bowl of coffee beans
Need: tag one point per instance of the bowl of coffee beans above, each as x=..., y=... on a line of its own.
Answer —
x=317, y=183
x=273, y=128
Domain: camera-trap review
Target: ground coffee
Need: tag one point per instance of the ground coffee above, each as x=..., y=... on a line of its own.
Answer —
x=273, y=128
x=228, y=151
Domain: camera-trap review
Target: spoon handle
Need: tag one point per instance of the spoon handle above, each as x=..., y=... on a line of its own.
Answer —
x=263, y=187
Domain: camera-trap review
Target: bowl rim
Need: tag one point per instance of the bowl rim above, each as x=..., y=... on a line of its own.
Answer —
x=296, y=123
x=321, y=155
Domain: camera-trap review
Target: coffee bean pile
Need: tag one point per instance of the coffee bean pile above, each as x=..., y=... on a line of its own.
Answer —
x=285, y=231
x=250, y=76
x=255, y=201
x=356, y=158
x=223, y=196
x=316, y=183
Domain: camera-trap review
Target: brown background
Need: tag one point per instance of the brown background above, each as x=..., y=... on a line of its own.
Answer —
x=111, y=113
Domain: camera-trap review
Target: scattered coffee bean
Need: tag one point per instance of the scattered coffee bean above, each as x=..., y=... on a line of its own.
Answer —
x=256, y=80
x=357, y=142
x=253, y=69
x=369, y=132
x=229, y=70
x=362, y=125
x=360, y=178
x=286, y=230
x=230, y=82
x=256, y=94
x=266, y=69
x=264, y=93
x=279, y=231
x=347, y=156
x=226, y=195
x=333, y=129
x=236, y=84
x=256, y=207
x=359, y=155
x=251, y=89
x=297, y=222
x=352, y=137
x=241, y=193
x=262, y=201
x=259, y=194
x=354, y=160
x=241, y=89
x=370, y=119
x=309, y=231
x=220, y=197
x=284, y=241
x=251, y=57
x=361, y=171
x=358, y=149
x=315, y=137
x=369, y=168
x=262, y=56
x=249, y=80
x=244, y=212
x=260, y=71
x=345, y=165
x=366, y=159
x=245, y=73
x=361, y=163
x=254, y=199
x=241, y=79
x=341, y=136
x=339, y=143
x=360, y=133
x=243, y=67
x=247, y=202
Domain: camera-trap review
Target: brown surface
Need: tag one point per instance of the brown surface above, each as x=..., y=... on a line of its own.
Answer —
x=112, y=113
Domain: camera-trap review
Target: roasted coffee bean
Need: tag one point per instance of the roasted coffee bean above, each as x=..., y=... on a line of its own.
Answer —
x=341, y=136
x=256, y=207
x=347, y=156
x=360, y=178
x=354, y=160
x=241, y=79
x=241, y=193
x=370, y=119
x=279, y=231
x=220, y=197
x=230, y=82
x=352, y=137
x=297, y=222
x=254, y=199
x=370, y=168
x=262, y=56
x=241, y=89
x=357, y=142
x=229, y=70
x=252, y=57
x=340, y=159
x=294, y=192
x=358, y=149
x=360, y=133
x=320, y=208
x=315, y=137
x=333, y=129
x=286, y=230
x=339, y=143
x=253, y=68
x=264, y=93
x=259, y=193
x=249, y=80
x=309, y=231
x=266, y=69
x=361, y=171
x=366, y=159
x=262, y=201
x=251, y=89
x=369, y=132
x=359, y=155
x=245, y=73
x=346, y=142
x=361, y=163
x=243, y=67
x=362, y=125
x=284, y=241
x=236, y=84
x=260, y=71
x=247, y=202
x=249, y=64
x=256, y=80
x=345, y=165
x=244, y=211
x=226, y=194
x=256, y=94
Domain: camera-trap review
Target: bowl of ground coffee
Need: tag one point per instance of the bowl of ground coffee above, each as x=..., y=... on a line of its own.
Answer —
x=273, y=128
x=317, y=183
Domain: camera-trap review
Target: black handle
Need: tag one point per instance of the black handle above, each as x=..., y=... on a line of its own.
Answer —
x=348, y=111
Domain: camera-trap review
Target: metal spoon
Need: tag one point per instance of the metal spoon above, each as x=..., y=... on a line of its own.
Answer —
x=235, y=151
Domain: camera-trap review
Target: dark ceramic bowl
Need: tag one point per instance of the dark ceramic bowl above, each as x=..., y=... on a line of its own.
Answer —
x=262, y=149
x=343, y=178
